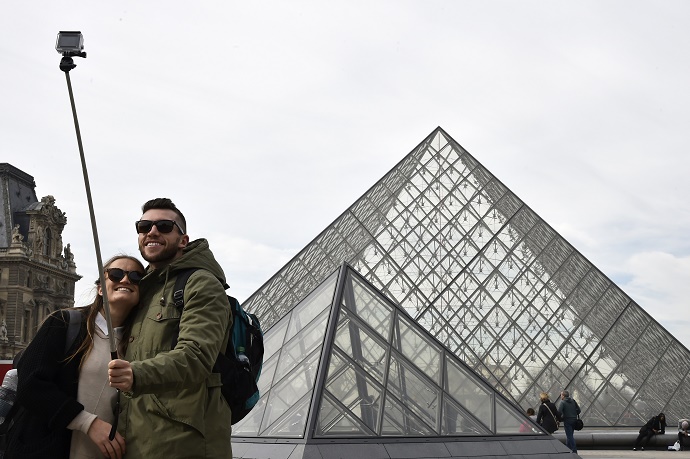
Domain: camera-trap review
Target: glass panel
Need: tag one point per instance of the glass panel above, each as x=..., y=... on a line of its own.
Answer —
x=268, y=369
x=312, y=306
x=249, y=426
x=274, y=338
x=419, y=349
x=371, y=309
x=357, y=392
x=302, y=344
x=293, y=387
x=293, y=422
x=457, y=421
x=417, y=393
x=400, y=421
x=337, y=421
x=362, y=347
x=469, y=393
x=507, y=420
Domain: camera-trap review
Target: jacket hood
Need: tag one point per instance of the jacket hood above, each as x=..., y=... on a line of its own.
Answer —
x=198, y=255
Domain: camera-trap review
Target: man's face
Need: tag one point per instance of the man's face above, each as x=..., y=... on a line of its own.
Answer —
x=161, y=248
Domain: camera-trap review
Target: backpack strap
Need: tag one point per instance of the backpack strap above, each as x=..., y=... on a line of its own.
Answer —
x=178, y=297
x=178, y=289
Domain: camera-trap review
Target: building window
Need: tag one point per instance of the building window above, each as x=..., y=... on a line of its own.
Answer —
x=26, y=326
x=48, y=246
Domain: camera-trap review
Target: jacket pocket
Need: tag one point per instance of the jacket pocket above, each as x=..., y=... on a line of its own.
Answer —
x=180, y=410
x=159, y=331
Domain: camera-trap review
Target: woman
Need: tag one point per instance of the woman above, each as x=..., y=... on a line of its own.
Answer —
x=656, y=425
x=67, y=404
x=547, y=417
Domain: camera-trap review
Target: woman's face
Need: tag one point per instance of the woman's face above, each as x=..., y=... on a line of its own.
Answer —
x=122, y=292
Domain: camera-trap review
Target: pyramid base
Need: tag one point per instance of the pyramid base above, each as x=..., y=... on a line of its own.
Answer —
x=537, y=447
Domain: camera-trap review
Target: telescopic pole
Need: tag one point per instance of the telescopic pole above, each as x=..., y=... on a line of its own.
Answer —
x=67, y=64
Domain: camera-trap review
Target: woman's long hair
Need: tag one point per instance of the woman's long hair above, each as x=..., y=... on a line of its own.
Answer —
x=92, y=310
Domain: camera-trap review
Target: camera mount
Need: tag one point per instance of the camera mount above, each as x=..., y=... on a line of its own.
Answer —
x=69, y=44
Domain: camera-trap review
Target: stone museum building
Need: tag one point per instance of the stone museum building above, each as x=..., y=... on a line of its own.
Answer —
x=37, y=272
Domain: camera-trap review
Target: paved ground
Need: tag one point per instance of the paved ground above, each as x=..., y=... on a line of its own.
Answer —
x=629, y=454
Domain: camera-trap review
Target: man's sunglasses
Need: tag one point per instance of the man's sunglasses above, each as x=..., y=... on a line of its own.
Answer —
x=117, y=274
x=164, y=226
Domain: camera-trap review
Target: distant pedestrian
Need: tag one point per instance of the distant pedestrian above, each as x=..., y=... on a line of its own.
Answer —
x=526, y=427
x=656, y=425
x=683, y=433
x=547, y=417
x=569, y=410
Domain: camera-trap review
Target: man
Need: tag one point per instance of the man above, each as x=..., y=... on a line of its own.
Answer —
x=569, y=411
x=172, y=405
x=683, y=433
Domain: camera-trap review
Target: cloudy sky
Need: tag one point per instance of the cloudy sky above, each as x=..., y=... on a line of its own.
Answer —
x=264, y=121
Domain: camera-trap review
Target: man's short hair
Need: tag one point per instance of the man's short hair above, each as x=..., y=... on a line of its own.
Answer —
x=165, y=203
x=565, y=393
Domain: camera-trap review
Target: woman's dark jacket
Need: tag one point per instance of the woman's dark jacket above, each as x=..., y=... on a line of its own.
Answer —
x=46, y=393
x=655, y=423
x=545, y=419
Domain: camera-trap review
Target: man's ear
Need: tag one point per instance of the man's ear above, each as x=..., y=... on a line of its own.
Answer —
x=184, y=241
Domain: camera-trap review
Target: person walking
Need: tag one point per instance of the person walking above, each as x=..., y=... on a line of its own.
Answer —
x=547, y=416
x=569, y=410
x=173, y=407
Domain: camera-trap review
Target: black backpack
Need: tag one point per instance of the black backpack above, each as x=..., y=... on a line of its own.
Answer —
x=240, y=364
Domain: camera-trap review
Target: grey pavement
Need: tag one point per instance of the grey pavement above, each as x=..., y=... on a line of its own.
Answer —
x=630, y=454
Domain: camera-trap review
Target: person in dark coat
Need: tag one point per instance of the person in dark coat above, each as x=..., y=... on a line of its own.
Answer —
x=656, y=425
x=683, y=433
x=547, y=416
x=569, y=411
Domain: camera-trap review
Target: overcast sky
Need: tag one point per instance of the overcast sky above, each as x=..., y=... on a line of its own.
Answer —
x=264, y=121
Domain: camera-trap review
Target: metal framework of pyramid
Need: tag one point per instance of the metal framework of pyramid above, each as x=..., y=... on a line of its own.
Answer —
x=347, y=365
x=495, y=284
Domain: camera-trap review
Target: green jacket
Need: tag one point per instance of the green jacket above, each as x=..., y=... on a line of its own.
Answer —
x=175, y=409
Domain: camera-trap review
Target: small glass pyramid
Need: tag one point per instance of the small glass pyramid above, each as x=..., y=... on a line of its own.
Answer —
x=347, y=362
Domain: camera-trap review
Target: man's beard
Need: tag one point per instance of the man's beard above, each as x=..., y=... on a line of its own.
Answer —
x=168, y=254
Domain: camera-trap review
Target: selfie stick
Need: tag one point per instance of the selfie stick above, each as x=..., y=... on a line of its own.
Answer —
x=71, y=44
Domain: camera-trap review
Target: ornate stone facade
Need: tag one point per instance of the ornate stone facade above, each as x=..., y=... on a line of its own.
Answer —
x=37, y=274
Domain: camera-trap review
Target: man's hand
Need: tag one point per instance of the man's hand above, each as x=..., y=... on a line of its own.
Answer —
x=120, y=375
x=99, y=432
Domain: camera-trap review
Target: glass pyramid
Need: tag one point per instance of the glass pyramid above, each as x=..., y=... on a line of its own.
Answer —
x=486, y=276
x=346, y=362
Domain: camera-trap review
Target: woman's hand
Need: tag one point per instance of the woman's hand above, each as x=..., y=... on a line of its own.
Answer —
x=120, y=375
x=99, y=432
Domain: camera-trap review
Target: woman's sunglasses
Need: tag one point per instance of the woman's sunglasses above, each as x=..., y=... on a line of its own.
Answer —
x=164, y=226
x=117, y=274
